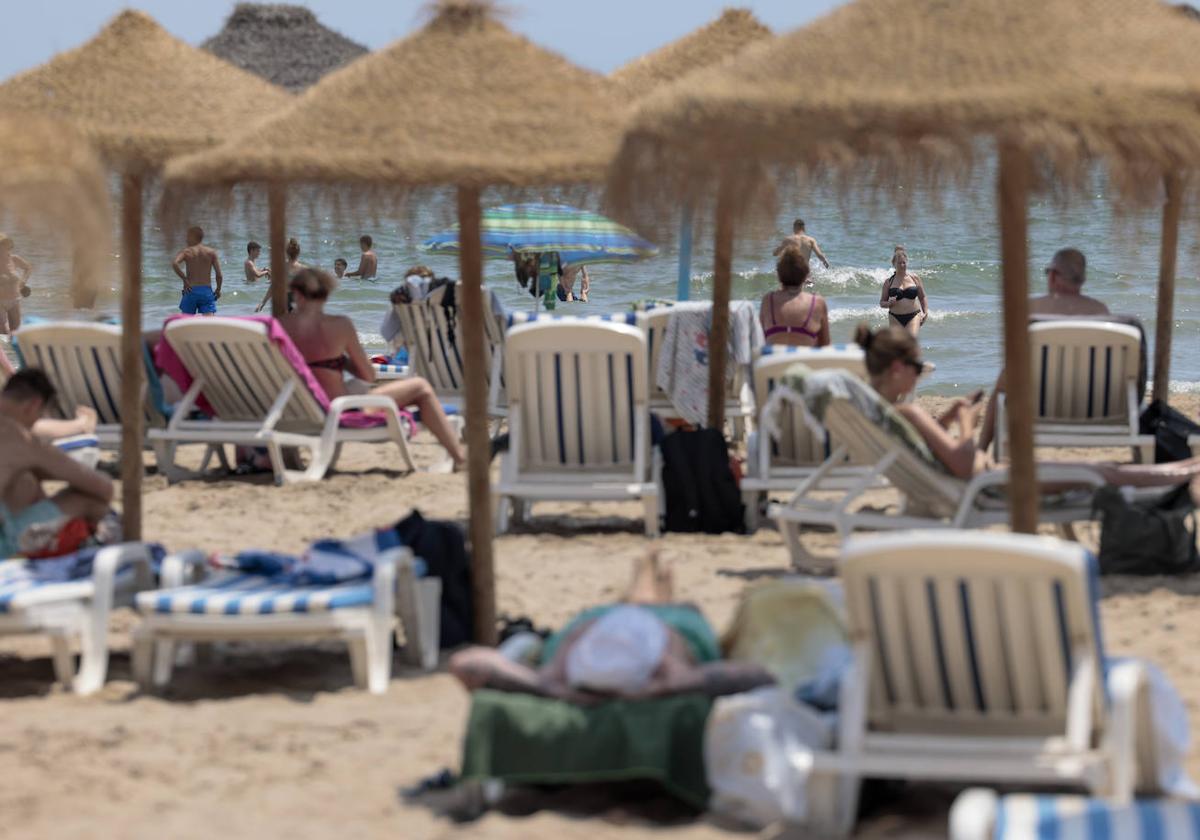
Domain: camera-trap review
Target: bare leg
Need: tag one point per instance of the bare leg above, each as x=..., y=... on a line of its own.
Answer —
x=987, y=430
x=653, y=581
x=416, y=391
x=14, y=317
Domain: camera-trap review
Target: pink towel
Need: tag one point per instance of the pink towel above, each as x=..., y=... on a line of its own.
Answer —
x=168, y=361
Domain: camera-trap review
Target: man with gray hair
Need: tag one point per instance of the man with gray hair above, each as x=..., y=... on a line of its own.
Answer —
x=1065, y=274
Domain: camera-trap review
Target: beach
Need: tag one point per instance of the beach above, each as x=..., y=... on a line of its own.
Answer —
x=274, y=740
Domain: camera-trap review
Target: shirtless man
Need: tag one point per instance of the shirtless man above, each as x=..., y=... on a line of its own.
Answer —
x=201, y=261
x=803, y=242
x=14, y=285
x=253, y=272
x=1065, y=275
x=25, y=461
x=368, y=263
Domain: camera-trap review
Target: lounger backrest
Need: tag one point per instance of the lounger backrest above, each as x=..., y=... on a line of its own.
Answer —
x=244, y=372
x=436, y=345
x=923, y=485
x=970, y=633
x=577, y=394
x=797, y=443
x=1083, y=370
x=84, y=363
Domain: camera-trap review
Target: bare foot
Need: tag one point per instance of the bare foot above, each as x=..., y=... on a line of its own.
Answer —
x=87, y=417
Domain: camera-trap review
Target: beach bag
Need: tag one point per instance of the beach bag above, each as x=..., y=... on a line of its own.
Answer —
x=442, y=547
x=701, y=491
x=1154, y=537
x=1170, y=428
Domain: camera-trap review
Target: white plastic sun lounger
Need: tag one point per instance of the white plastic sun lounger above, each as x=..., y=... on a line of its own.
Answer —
x=798, y=451
x=982, y=814
x=83, y=360
x=74, y=609
x=1085, y=374
x=932, y=498
x=259, y=399
x=976, y=657
x=579, y=422
x=239, y=606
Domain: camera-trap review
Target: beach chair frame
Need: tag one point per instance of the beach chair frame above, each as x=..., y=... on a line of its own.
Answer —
x=575, y=366
x=368, y=631
x=932, y=499
x=799, y=452
x=975, y=658
x=1086, y=376
x=260, y=400
x=78, y=610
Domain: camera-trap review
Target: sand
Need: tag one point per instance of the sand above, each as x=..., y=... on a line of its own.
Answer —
x=275, y=741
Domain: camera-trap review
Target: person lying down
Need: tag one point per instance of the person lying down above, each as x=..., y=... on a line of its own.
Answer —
x=647, y=645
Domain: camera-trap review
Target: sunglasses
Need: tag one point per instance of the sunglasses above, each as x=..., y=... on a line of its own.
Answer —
x=918, y=365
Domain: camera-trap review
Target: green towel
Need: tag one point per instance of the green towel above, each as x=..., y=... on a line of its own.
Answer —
x=523, y=739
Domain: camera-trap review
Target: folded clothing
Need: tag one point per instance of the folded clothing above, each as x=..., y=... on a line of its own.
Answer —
x=325, y=563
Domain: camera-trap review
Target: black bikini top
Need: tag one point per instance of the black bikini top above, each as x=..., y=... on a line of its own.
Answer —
x=903, y=294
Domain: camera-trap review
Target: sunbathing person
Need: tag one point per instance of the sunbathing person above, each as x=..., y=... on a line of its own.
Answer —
x=25, y=461
x=647, y=645
x=894, y=363
x=330, y=346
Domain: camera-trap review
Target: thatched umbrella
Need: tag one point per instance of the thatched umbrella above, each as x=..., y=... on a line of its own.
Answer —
x=1053, y=82
x=711, y=44
x=463, y=101
x=286, y=45
x=140, y=96
x=49, y=173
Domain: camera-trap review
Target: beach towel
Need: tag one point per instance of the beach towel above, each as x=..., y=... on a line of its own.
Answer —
x=683, y=363
x=169, y=363
x=19, y=576
x=326, y=562
x=527, y=740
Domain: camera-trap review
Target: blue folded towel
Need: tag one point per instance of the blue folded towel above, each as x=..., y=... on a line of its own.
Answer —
x=326, y=562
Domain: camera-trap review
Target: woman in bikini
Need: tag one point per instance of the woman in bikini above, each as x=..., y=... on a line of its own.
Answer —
x=330, y=346
x=903, y=295
x=894, y=363
x=14, y=285
x=790, y=315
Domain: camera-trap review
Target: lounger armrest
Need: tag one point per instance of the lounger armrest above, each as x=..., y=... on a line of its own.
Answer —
x=111, y=558
x=176, y=568
x=1127, y=684
x=1066, y=473
x=383, y=584
x=359, y=401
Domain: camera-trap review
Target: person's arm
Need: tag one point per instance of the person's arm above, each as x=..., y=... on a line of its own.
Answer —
x=261, y=306
x=817, y=251
x=358, y=271
x=762, y=311
x=24, y=265
x=823, y=339
x=260, y=273
x=885, y=301
x=956, y=454
x=216, y=261
x=779, y=248
x=52, y=464
x=921, y=298
x=360, y=365
x=175, y=265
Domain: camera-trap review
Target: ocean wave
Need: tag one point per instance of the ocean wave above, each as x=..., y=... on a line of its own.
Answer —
x=838, y=314
x=1179, y=386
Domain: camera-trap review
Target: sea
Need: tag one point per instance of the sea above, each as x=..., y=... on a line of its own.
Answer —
x=952, y=239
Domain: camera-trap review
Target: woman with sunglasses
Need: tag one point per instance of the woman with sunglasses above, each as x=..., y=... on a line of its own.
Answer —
x=330, y=346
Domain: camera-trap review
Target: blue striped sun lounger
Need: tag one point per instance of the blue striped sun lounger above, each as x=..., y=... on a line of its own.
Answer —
x=980, y=814
x=235, y=593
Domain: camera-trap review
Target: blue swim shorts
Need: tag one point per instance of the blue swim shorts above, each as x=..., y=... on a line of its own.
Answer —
x=199, y=300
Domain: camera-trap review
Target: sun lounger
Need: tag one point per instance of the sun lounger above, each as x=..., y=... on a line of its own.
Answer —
x=783, y=461
x=872, y=432
x=68, y=608
x=976, y=658
x=579, y=422
x=83, y=360
x=982, y=814
x=1085, y=374
x=233, y=605
x=246, y=373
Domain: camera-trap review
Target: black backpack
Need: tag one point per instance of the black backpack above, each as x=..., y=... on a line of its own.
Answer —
x=1148, y=536
x=702, y=494
x=1170, y=428
x=442, y=547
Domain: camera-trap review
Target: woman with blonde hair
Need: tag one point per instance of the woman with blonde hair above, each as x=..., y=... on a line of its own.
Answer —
x=903, y=295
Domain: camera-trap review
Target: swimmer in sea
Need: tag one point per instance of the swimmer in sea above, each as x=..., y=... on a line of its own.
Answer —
x=14, y=285
x=903, y=295
x=801, y=241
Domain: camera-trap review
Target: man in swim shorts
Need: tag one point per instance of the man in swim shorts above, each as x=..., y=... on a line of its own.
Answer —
x=802, y=242
x=201, y=263
x=25, y=461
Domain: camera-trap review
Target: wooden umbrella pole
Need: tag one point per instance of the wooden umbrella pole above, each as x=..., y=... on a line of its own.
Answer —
x=1014, y=177
x=277, y=230
x=479, y=493
x=133, y=374
x=1165, y=323
x=718, y=338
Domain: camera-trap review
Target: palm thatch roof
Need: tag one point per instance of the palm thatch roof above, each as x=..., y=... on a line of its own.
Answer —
x=1070, y=81
x=140, y=94
x=50, y=175
x=712, y=43
x=462, y=101
x=286, y=45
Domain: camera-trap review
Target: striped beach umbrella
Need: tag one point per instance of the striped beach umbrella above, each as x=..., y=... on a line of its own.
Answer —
x=578, y=236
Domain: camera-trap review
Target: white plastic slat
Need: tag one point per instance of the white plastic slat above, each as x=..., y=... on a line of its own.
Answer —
x=1051, y=664
x=954, y=645
x=622, y=408
x=891, y=634
x=990, y=654
x=569, y=397
x=596, y=417
x=1021, y=647
x=922, y=643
